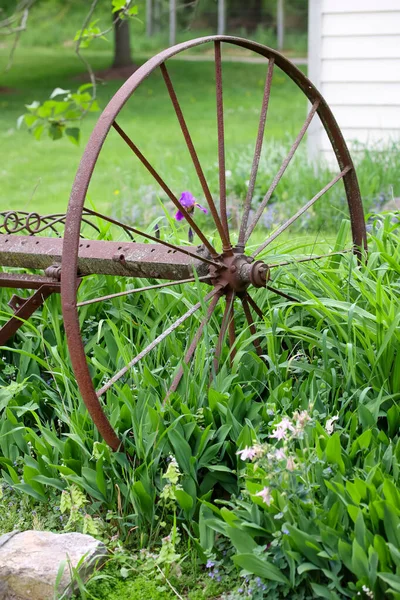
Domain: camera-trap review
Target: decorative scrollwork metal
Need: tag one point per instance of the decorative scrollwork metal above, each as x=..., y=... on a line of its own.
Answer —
x=32, y=223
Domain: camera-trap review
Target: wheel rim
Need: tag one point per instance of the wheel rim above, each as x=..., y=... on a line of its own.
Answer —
x=236, y=271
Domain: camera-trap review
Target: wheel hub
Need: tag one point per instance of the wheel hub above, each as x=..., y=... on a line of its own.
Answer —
x=238, y=271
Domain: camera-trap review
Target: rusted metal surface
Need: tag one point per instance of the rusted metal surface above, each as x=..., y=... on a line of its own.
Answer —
x=221, y=137
x=128, y=259
x=193, y=345
x=257, y=155
x=146, y=288
x=24, y=281
x=155, y=342
x=32, y=223
x=232, y=273
x=165, y=187
x=301, y=211
x=24, y=308
x=195, y=159
x=282, y=170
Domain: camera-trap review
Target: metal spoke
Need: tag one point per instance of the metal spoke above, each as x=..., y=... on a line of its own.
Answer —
x=255, y=307
x=283, y=294
x=232, y=332
x=302, y=210
x=164, y=186
x=142, y=289
x=225, y=241
x=155, y=343
x=257, y=154
x=282, y=169
x=221, y=137
x=252, y=327
x=148, y=236
x=193, y=346
x=309, y=258
x=224, y=326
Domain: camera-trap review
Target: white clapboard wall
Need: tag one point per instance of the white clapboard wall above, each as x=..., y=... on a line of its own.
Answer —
x=354, y=60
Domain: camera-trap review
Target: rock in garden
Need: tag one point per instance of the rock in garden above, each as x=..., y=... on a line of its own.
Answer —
x=30, y=562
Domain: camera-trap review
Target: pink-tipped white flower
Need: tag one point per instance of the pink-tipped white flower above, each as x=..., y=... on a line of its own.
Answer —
x=290, y=464
x=279, y=434
x=265, y=494
x=280, y=454
x=248, y=453
x=286, y=424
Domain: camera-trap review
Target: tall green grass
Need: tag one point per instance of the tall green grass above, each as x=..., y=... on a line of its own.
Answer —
x=335, y=349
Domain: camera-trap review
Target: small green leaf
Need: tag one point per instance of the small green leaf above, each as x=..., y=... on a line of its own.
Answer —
x=334, y=452
x=184, y=499
x=59, y=92
x=73, y=134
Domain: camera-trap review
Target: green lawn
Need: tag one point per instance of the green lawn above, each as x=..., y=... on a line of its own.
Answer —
x=39, y=175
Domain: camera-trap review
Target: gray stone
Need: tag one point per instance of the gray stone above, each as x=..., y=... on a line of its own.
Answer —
x=30, y=562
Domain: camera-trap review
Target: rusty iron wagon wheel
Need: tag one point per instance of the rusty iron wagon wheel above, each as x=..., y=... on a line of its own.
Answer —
x=229, y=269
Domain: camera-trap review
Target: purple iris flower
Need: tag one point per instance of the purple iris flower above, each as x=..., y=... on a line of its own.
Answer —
x=188, y=201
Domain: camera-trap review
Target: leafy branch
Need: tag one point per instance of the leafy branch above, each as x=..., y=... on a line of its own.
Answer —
x=63, y=116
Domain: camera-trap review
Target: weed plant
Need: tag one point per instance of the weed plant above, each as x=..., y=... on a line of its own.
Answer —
x=327, y=526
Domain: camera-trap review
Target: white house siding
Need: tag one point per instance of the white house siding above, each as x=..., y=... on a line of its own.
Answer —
x=354, y=60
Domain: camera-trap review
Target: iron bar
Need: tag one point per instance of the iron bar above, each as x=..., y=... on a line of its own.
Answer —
x=283, y=294
x=257, y=154
x=129, y=259
x=309, y=258
x=26, y=281
x=252, y=327
x=255, y=306
x=157, y=240
x=155, y=343
x=26, y=310
x=224, y=326
x=282, y=169
x=231, y=329
x=164, y=186
x=193, y=346
x=221, y=137
x=195, y=158
x=302, y=210
x=142, y=289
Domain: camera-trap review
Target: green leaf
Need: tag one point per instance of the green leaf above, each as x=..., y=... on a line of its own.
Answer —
x=306, y=566
x=182, y=451
x=73, y=134
x=144, y=500
x=359, y=561
x=260, y=568
x=334, y=452
x=55, y=131
x=392, y=580
x=242, y=541
x=118, y=5
x=184, y=499
x=59, y=92
x=324, y=592
x=392, y=525
x=207, y=534
x=100, y=479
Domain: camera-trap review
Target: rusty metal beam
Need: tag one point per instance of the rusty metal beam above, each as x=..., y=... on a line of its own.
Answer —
x=26, y=310
x=25, y=281
x=129, y=259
